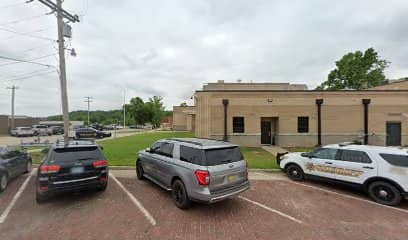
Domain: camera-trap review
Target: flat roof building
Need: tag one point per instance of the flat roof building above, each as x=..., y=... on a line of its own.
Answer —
x=289, y=115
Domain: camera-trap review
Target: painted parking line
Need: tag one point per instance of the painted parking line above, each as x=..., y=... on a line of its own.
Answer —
x=146, y=213
x=271, y=209
x=4, y=215
x=349, y=196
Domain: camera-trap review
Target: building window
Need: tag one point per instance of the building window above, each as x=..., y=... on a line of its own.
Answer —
x=303, y=124
x=238, y=125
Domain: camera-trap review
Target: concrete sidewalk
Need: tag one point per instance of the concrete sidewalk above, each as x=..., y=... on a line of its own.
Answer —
x=274, y=150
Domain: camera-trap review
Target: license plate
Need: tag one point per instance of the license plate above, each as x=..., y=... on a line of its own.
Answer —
x=232, y=178
x=77, y=170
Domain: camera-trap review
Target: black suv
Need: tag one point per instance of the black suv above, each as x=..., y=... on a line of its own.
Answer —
x=13, y=163
x=71, y=166
x=91, y=133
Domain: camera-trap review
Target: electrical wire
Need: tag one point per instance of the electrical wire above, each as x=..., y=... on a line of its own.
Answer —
x=27, y=35
x=27, y=73
x=31, y=76
x=25, y=61
x=22, y=19
x=12, y=5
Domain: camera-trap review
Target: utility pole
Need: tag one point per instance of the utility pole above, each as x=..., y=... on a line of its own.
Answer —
x=13, y=93
x=88, y=100
x=124, y=108
x=61, y=14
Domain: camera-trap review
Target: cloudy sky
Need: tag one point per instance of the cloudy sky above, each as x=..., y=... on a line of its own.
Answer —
x=170, y=48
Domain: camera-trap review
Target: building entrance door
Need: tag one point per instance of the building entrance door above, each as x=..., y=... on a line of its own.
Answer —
x=266, y=128
x=393, y=134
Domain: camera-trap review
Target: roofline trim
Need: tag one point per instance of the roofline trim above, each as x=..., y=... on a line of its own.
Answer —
x=310, y=91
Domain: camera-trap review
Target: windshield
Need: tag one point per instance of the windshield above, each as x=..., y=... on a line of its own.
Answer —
x=222, y=156
x=76, y=153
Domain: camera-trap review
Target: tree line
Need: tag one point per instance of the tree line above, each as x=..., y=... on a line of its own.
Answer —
x=137, y=112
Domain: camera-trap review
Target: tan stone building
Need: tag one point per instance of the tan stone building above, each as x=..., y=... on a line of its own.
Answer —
x=252, y=114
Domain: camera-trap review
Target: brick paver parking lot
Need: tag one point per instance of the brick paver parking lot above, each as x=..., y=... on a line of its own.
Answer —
x=273, y=209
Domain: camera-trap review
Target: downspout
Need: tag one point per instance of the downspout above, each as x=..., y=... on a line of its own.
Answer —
x=366, y=102
x=319, y=103
x=225, y=102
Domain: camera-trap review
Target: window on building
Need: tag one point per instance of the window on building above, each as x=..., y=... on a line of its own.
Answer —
x=238, y=124
x=303, y=124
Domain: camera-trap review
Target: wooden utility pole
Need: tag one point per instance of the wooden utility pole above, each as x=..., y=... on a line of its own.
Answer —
x=88, y=100
x=13, y=93
x=61, y=14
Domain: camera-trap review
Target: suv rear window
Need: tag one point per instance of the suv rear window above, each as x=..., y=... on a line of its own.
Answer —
x=396, y=160
x=210, y=157
x=76, y=153
x=222, y=156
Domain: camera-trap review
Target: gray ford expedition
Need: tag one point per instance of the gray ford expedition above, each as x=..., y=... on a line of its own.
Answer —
x=194, y=169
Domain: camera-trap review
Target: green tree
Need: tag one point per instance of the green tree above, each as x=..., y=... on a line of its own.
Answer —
x=156, y=108
x=138, y=111
x=356, y=70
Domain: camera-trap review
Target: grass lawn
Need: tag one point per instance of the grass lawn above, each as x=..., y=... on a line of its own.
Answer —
x=122, y=151
x=300, y=149
x=259, y=158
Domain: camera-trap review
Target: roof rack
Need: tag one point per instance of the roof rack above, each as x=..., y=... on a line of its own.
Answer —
x=186, y=141
x=343, y=144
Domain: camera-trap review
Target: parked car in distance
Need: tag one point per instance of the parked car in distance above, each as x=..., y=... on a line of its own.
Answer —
x=380, y=171
x=91, y=133
x=41, y=130
x=194, y=169
x=97, y=126
x=22, y=132
x=71, y=166
x=56, y=130
x=13, y=163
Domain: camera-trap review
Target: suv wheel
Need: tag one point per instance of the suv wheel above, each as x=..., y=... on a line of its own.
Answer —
x=3, y=182
x=139, y=171
x=179, y=195
x=295, y=172
x=384, y=193
x=28, y=166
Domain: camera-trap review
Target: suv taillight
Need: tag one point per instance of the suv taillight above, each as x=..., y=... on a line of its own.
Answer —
x=49, y=169
x=100, y=163
x=203, y=177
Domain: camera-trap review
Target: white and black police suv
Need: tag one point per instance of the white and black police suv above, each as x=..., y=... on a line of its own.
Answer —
x=381, y=171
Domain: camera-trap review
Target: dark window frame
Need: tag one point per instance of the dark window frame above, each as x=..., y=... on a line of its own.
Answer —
x=237, y=125
x=303, y=124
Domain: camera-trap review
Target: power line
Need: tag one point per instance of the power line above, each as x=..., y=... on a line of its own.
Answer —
x=31, y=76
x=26, y=73
x=24, y=61
x=12, y=5
x=23, y=19
x=26, y=34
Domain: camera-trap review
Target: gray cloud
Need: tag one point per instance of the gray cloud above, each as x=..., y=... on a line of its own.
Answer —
x=171, y=48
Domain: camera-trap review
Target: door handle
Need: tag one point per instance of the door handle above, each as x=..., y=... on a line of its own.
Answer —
x=368, y=167
x=328, y=162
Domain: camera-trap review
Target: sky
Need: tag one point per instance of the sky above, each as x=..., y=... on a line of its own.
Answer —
x=128, y=48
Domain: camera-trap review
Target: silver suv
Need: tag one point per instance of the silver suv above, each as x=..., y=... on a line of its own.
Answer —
x=194, y=169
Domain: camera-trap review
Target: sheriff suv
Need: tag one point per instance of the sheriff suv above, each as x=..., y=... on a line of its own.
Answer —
x=194, y=169
x=381, y=171
x=71, y=166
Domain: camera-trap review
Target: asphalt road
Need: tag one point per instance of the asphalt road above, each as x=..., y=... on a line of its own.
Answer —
x=274, y=208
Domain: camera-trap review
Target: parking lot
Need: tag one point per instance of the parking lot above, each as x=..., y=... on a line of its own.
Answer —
x=132, y=209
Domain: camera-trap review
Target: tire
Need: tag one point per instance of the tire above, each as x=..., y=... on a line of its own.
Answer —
x=384, y=193
x=295, y=172
x=139, y=171
x=103, y=187
x=3, y=181
x=40, y=198
x=28, y=166
x=179, y=195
